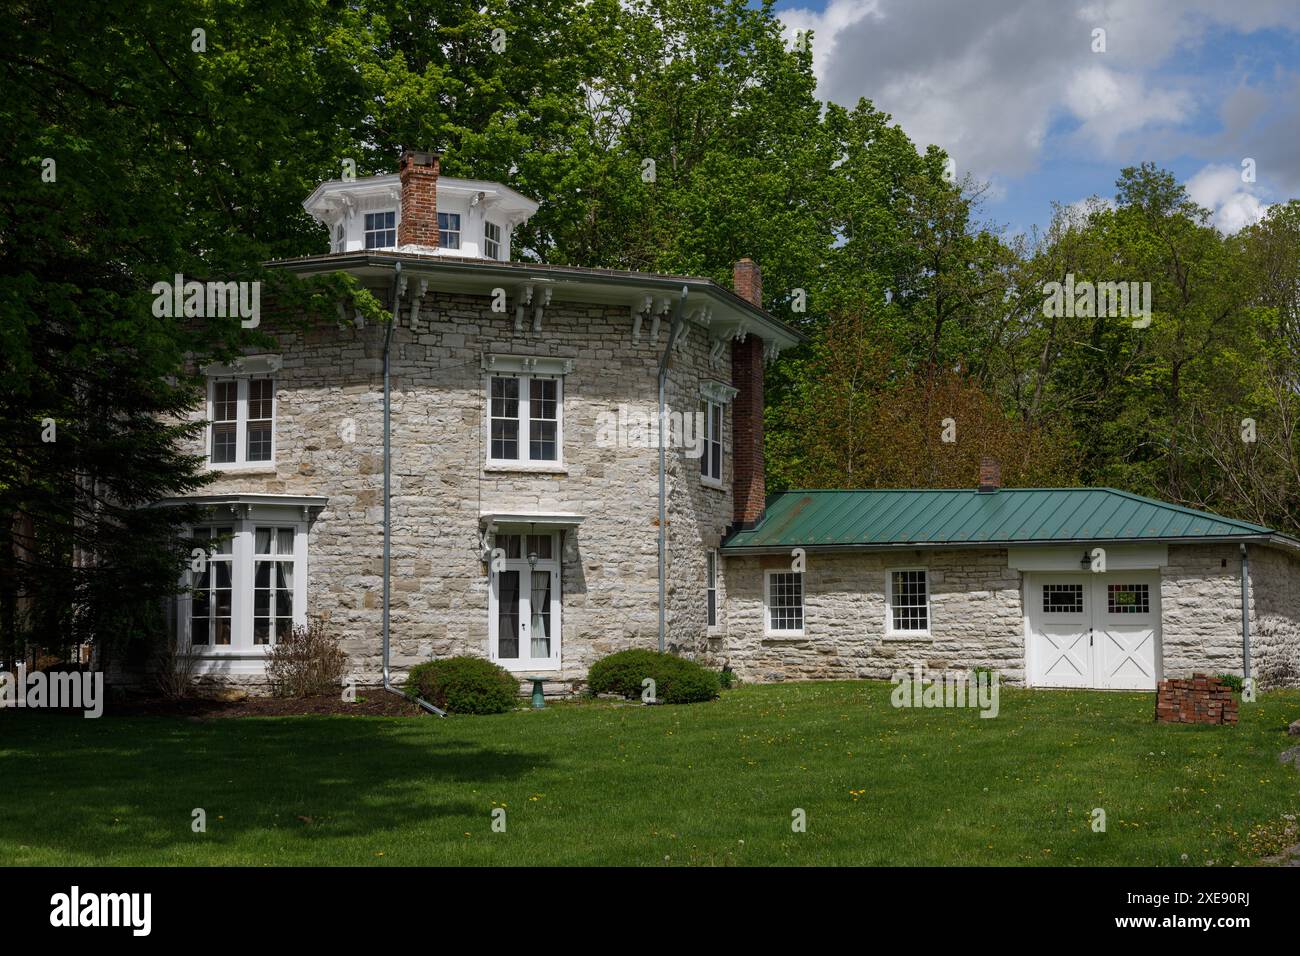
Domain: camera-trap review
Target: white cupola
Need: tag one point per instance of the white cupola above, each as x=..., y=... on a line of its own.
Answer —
x=415, y=210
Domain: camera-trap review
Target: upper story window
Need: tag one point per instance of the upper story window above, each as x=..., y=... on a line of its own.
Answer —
x=242, y=415
x=491, y=240
x=711, y=459
x=449, y=230
x=525, y=414
x=381, y=229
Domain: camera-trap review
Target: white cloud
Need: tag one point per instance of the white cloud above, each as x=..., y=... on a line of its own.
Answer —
x=1219, y=189
x=987, y=80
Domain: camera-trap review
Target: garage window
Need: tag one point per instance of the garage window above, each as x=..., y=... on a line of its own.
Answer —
x=1062, y=598
x=909, y=602
x=1128, y=598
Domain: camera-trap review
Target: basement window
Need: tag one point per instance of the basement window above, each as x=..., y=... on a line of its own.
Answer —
x=783, y=598
x=908, y=600
x=381, y=229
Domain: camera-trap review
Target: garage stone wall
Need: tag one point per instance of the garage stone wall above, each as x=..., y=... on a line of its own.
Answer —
x=1275, y=621
x=975, y=607
x=329, y=441
x=1200, y=603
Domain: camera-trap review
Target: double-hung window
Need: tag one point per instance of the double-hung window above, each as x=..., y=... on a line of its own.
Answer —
x=711, y=588
x=211, y=597
x=491, y=240
x=909, y=602
x=449, y=230
x=784, y=602
x=381, y=229
x=241, y=412
x=525, y=414
x=711, y=459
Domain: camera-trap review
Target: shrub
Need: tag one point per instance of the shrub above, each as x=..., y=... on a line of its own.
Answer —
x=175, y=670
x=1232, y=680
x=464, y=685
x=307, y=662
x=677, y=680
x=727, y=679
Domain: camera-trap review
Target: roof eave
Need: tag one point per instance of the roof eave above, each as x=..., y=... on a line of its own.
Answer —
x=784, y=548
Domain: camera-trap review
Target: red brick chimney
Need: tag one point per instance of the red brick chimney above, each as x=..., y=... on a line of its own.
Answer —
x=990, y=475
x=418, y=223
x=749, y=484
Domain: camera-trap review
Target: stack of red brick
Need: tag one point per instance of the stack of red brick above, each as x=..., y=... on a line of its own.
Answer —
x=1201, y=700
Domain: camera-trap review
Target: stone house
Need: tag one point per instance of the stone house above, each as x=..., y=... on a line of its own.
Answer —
x=484, y=475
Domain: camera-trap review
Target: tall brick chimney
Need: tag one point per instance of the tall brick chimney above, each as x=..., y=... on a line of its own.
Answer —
x=418, y=224
x=990, y=475
x=749, y=484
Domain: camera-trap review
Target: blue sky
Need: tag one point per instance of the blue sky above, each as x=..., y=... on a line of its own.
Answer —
x=1014, y=90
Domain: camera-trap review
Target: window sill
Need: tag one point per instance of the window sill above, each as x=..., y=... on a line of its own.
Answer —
x=909, y=636
x=712, y=483
x=261, y=468
x=503, y=467
x=790, y=635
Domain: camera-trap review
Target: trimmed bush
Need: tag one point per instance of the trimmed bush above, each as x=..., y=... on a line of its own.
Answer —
x=677, y=680
x=464, y=685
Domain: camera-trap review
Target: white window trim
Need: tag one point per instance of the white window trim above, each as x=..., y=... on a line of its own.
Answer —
x=241, y=375
x=890, y=631
x=768, y=630
x=552, y=564
x=242, y=571
x=366, y=232
x=459, y=231
x=524, y=462
x=705, y=478
x=713, y=584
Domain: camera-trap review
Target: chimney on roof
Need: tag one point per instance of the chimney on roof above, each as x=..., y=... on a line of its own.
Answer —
x=749, y=482
x=990, y=475
x=418, y=223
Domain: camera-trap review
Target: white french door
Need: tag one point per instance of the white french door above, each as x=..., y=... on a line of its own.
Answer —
x=1097, y=630
x=524, y=602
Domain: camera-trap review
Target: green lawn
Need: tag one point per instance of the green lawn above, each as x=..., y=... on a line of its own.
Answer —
x=700, y=784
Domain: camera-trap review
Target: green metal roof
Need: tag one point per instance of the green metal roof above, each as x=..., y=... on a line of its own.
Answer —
x=887, y=518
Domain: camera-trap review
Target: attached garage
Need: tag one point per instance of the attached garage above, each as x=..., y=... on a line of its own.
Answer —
x=1065, y=587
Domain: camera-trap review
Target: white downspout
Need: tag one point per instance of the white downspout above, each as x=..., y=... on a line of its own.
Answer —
x=1245, y=614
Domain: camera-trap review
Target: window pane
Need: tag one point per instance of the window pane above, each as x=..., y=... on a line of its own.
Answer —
x=449, y=230
x=224, y=437
x=540, y=545
x=543, y=426
x=1063, y=598
x=910, y=601
x=508, y=614
x=262, y=541
x=505, y=418
x=285, y=544
x=785, y=601
x=225, y=401
x=1128, y=598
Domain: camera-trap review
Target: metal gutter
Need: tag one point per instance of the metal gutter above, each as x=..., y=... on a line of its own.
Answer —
x=935, y=545
x=388, y=524
x=673, y=329
x=449, y=265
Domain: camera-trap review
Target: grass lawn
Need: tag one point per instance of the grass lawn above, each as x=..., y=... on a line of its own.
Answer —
x=700, y=784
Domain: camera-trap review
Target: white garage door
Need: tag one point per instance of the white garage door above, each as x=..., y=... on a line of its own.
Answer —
x=1093, y=630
